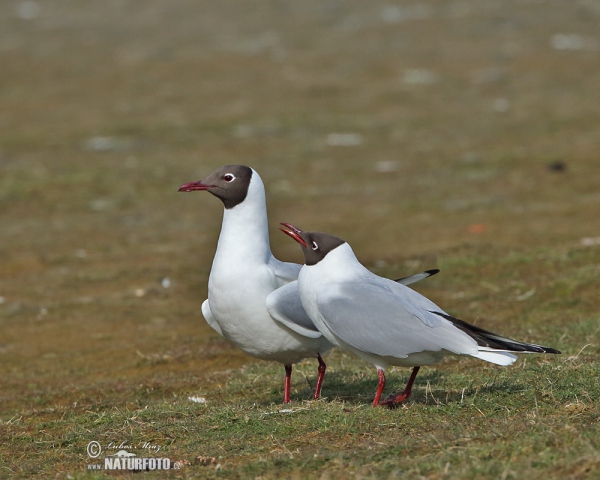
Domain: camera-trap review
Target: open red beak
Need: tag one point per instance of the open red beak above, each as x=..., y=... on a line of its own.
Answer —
x=193, y=186
x=293, y=232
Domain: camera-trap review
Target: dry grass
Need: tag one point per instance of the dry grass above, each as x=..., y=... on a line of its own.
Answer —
x=106, y=108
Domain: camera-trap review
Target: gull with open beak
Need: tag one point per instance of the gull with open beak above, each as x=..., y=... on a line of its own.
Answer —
x=253, y=298
x=384, y=322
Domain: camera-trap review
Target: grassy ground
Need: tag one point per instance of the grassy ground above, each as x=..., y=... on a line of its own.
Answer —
x=456, y=119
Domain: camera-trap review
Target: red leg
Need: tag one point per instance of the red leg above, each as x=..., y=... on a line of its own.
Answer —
x=321, y=370
x=288, y=380
x=380, y=386
x=393, y=400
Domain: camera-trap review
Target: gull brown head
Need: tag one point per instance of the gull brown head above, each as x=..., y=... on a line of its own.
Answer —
x=229, y=183
x=315, y=245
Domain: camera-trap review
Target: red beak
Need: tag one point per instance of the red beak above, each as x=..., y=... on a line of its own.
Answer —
x=193, y=186
x=293, y=232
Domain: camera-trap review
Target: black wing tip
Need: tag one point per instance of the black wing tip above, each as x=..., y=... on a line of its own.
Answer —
x=532, y=348
x=516, y=346
x=552, y=350
x=433, y=271
x=489, y=339
x=429, y=273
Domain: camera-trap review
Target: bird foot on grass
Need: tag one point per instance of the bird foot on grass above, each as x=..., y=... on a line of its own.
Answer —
x=393, y=401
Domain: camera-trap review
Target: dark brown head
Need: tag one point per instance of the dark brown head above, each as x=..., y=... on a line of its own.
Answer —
x=315, y=245
x=230, y=183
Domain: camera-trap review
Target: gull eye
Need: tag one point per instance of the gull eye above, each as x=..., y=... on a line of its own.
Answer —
x=315, y=246
x=229, y=177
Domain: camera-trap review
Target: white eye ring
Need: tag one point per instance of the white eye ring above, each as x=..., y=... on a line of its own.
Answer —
x=315, y=246
x=229, y=177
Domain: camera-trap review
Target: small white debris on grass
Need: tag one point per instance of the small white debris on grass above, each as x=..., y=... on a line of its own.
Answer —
x=2, y=300
x=392, y=14
x=123, y=453
x=567, y=41
x=28, y=10
x=526, y=295
x=102, y=204
x=590, y=241
x=344, y=139
x=42, y=313
x=165, y=282
x=243, y=131
x=140, y=292
x=387, y=166
x=420, y=76
x=195, y=399
x=107, y=144
x=285, y=410
x=488, y=75
x=501, y=105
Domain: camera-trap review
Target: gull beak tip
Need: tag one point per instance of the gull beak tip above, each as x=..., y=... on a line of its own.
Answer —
x=293, y=232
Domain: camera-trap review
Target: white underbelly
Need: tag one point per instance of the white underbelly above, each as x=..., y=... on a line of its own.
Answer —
x=240, y=310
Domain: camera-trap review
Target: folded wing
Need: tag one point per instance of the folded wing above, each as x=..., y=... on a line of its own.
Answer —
x=374, y=318
x=285, y=306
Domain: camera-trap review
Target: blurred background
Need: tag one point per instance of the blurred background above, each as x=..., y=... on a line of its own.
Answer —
x=459, y=134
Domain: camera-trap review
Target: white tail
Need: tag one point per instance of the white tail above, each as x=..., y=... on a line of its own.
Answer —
x=498, y=357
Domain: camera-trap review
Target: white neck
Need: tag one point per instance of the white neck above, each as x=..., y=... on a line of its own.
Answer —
x=339, y=265
x=245, y=228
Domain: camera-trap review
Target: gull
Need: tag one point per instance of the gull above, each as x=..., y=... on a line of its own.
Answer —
x=384, y=322
x=253, y=298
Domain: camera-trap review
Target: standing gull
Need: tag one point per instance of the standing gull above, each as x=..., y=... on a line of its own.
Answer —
x=253, y=298
x=384, y=322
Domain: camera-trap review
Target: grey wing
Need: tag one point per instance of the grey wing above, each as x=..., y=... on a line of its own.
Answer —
x=406, y=294
x=208, y=316
x=285, y=306
x=373, y=318
x=284, y=271
x=417, y=277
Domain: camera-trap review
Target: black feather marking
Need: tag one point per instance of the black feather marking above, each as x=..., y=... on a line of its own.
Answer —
x=433, y=271
x=429, y=273
x=485, y=338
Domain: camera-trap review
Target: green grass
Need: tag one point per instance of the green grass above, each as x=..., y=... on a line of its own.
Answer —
x=465, y=419
x=130, y=382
